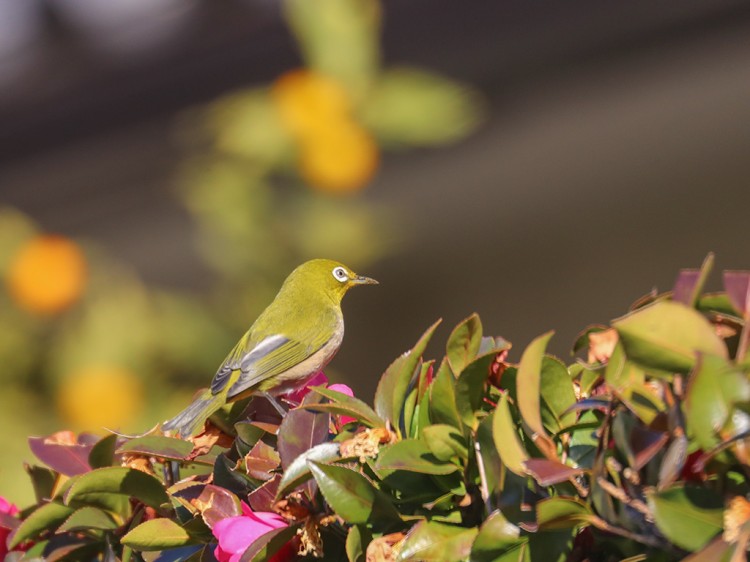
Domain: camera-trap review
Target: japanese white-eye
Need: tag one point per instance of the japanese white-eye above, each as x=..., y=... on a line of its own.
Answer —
x=292, y=339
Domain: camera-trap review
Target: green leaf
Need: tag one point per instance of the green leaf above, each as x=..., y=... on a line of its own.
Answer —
x=557, y=395
x=470, y=388
x=429, y=541
x=412, y=455
x=356, y=543
x=507, y=442
x=268, y=544
x=689, y=516
x=158, y=446
x=157, y=534
x=442, y=403
x=668, y=336
x=463, y=343
x=352, y=496
x=43, y=480
x=445, y=442
x=346, y=405
x=120, y=481
x=562, y=513
x=528, y=384
x=103, y=452
x=496, y=537
x=411, y=107
x=715, y=386
x=299, y=471
x=47, y=517
x=338, y=38
x=89, y=518
x=392, y=388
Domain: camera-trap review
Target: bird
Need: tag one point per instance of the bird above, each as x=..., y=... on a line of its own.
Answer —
x=292, y=340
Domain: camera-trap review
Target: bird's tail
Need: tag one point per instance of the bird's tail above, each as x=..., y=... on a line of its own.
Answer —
x=195, y=415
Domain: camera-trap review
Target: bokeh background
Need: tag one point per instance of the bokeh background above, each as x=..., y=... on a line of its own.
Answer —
x=165, y=163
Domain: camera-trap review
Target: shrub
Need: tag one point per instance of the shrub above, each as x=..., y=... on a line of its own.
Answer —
x=638, y=449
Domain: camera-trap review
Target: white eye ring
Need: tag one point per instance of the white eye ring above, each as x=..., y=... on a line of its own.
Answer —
x=340, y=274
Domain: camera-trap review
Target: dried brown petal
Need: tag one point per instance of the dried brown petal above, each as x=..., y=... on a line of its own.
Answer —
x=601, y=345
x=735, y=516
x=385, y=548
x=366, y=444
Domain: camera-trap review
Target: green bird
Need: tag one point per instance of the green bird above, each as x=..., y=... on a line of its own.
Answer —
x=293, y=338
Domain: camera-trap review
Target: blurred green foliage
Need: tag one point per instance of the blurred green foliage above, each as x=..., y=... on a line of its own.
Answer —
x=266, y=191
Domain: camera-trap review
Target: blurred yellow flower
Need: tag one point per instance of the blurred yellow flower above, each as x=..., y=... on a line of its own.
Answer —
x=99, y=397
x=308, y=102
x=47, y=274
x=337, y=155
x=340, y=160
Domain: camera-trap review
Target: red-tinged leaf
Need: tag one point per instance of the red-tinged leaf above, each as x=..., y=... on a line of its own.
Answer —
x=392, y=388
x=301, y=430
x=690, y=282
x=261, y=461
x=718, y=551
x=263, y=497
x=645, y=444
x=548, y=473
x=62, y=453
x=737, y=286
x=270, y=545
x=215, y=503
x=463, y=343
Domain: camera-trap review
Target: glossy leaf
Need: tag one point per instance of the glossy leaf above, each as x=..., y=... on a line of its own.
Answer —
x=548, y=473
x=103, y=452
x=557, y=395
x=357, y=540
x=158, y=446
x=66, y=458
x=393, y=386
x=496, y=536
x=47, y=517
x=120, y=481
x=445, y=442
x=413, y=455
x=470, y=388
x=528, y=389
x=442, y=404
x=561, y=513
x=436, y=542
x=301, y=430
x=157, y=534
x=299, y=471
x=507, y=441
x=261, y=461
x=216, y=503
x=713, y=388
x=688, y=516
x=345, y=405
x=668, y=336
x=265, y=546
x=352, y=496
x=463, y=343
x=89, y=518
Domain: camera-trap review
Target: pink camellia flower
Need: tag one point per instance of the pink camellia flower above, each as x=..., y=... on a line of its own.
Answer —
x=236, y=534
x=296, y=396
x=8, y=509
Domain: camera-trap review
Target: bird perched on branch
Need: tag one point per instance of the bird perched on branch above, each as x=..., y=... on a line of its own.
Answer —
x=292, y=339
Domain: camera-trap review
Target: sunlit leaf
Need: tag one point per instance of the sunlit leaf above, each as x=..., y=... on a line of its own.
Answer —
x=158, y=446
x=413, y=455
x=345, y=405
x=668, y=336
x=47, y=517
x=89, y=518
x=507, y=441
x=120, y=481
x=299, y=471
x=436, y=542
x=392, y=388
x=463, y=343
x=157, y=534
x=352, y=496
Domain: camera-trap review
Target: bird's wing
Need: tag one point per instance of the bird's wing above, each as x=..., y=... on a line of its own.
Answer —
x=271, y=356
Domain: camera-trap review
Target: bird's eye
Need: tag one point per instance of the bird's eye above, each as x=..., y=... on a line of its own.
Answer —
x=340, y=274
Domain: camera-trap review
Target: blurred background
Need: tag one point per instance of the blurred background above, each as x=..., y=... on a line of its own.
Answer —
x=164, y=164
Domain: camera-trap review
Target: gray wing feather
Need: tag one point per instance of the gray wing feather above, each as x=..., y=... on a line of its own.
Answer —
x=246, y=361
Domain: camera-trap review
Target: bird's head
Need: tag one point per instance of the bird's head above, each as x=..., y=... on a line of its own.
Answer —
x=327, y=277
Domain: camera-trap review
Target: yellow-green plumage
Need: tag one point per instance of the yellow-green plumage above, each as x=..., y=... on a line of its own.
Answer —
x=292, y=339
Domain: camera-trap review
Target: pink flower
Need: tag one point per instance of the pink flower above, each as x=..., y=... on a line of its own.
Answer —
x=344, y=389
x=296, y=396
x=236, y=534
x=8, y=509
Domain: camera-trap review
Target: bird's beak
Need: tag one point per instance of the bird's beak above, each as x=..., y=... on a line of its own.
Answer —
x=362, y=280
